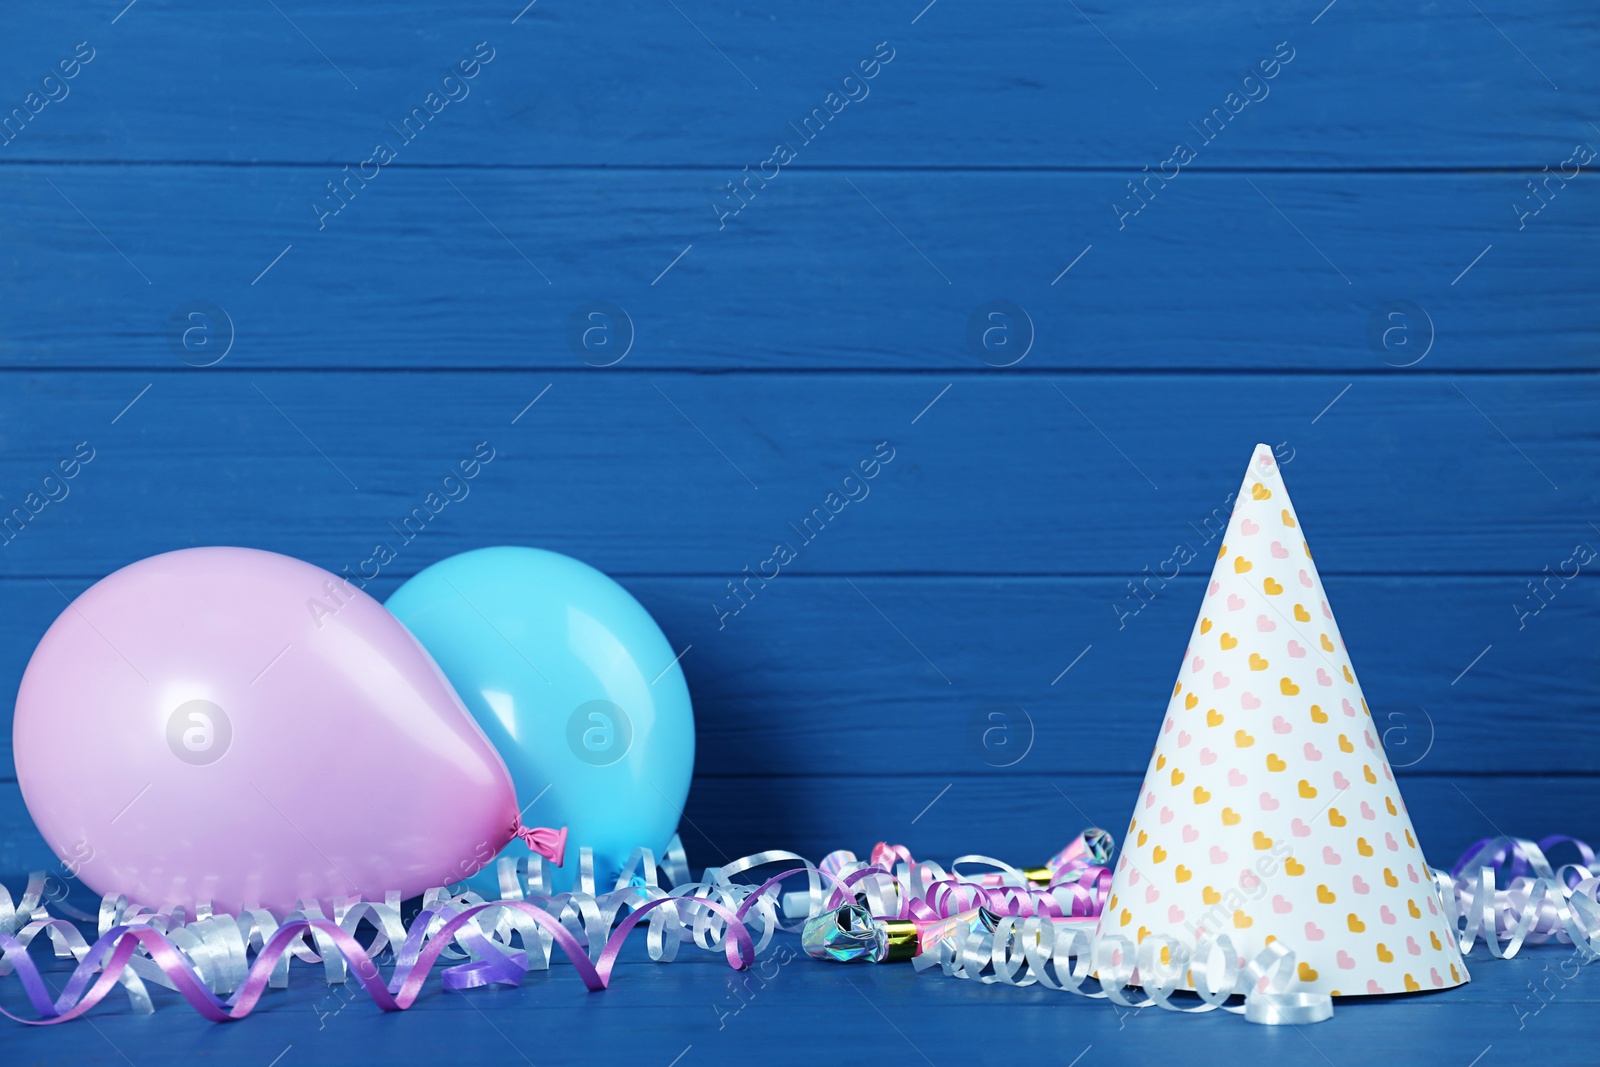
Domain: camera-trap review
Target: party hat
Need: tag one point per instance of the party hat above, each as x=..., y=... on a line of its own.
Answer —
x=1269, y=811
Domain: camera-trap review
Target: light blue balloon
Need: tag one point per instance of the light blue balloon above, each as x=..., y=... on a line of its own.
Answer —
x=576, y=686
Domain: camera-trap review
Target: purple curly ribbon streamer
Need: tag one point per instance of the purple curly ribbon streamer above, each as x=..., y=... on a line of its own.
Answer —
x=1511, y=860
x=105, y=962
x=108, y=957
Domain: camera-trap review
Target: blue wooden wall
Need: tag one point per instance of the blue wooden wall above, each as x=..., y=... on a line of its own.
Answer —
x=685, y=265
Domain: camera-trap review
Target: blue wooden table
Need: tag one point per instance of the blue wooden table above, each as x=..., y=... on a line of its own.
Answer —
x=271, y=270
x=698, y=1011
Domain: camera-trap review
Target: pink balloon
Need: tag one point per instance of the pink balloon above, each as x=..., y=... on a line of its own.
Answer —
x=239, y=726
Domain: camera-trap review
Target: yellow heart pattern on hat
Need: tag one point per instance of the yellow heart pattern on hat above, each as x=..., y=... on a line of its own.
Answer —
x=1313, y=848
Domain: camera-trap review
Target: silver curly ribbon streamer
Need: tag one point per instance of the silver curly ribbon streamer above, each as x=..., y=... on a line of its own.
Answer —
x=221, y=948
x=1036, y=943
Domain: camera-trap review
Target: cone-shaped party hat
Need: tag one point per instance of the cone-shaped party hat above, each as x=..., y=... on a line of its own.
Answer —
x=1269, y=810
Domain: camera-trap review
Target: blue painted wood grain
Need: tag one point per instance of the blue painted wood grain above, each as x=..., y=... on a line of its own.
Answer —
x=658, y=474
x=809, y=678
x=1379, y=259
x=1394, y=86
x=826, y=269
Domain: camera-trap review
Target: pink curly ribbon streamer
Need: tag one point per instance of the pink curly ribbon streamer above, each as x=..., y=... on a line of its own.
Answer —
x=897, y=886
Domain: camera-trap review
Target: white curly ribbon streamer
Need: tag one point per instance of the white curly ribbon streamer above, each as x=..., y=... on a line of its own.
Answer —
x=1065, y=955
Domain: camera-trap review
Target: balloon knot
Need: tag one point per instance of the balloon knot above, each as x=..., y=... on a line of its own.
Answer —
x=551, y=844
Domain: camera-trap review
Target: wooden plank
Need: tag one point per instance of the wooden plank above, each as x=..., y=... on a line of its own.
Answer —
x=1030, y=84
x=659, y=474
x=828, y=270
x=809, y=678
x=1018, y=818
